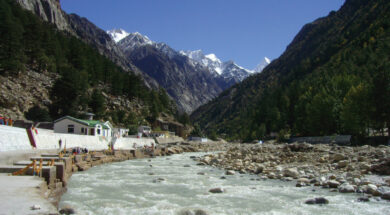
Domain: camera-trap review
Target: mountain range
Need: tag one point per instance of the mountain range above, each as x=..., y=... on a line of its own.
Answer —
x=229, y=70
x=333, y=78
x=188, y=82
x=190, y=77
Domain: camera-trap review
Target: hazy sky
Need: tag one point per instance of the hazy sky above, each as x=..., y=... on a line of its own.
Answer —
x=241, y=30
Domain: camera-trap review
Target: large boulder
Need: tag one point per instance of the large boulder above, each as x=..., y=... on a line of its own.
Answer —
x=386, y=196
x=382, y=168
x=346, y=188
x=333, y=184
x=338, y=157
x=370, y=189
x=230, y=172
x=320, y=200
x=67, y=210
x=291, y=172
x=342, y=164
x=217, y=190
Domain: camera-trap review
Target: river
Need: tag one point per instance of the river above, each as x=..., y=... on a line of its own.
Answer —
x=166, y=185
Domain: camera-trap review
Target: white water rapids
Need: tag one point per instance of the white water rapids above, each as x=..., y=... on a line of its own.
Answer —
x=130, y=188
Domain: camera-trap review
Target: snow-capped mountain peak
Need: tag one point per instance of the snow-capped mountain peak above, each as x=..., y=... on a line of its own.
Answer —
x=259, y=68
x=117, y=34
x=134, y=40
x=213, y=57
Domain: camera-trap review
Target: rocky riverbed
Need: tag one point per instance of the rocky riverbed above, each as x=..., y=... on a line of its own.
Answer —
x=343, y=169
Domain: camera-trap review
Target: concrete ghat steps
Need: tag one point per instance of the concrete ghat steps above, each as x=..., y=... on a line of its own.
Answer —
x=60, y=168
x=48, y=172
x=19, y=193
x=66, y=160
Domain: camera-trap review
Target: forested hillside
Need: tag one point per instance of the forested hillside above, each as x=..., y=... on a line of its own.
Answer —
x=334, y=78
x=84, y=76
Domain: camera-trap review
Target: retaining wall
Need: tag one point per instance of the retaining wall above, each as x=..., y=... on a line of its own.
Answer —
x=47, y=139
x=127, y=143
x=12, y=139
x=16, y=139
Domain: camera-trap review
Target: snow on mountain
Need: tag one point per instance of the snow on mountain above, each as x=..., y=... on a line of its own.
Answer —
x=259, y=68
x=228, y=70
x=133, y=41
x=117, y=34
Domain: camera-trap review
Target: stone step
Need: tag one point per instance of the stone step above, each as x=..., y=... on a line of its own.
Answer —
x=66, y=160
x=48, y=172
x=60, y=168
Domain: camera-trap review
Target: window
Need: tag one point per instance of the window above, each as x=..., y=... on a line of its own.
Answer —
x=82, y=130
x=71, y=129
x=98, y=131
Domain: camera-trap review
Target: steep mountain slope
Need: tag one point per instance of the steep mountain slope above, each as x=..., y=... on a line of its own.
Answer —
x=188, y=84
x=50, y=11
x=333, y=78
x=47, y=73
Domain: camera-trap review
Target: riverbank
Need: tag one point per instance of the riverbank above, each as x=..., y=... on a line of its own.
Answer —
x=342, y=169
x=47, y=195
x=176, y=185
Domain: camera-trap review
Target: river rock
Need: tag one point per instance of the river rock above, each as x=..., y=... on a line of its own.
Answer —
x=333, y=184
x=320, y=200
x=342, y=164
x=386, y=196
x=190, y=212
x=338, y=157
x=230, y=172
x=187, y=165
x=217, y=190
x=363, y=199
x=301, y=182
x=370, y=189
x=200, y=212
x=259, y=169
x=346, y=188
x=291, y=172
x=67, y=211
x=382, y=168
x=35, y=207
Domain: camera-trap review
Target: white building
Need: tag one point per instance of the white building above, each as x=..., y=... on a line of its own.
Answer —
x=71, y=125
x=121, y=132
x=144, y=131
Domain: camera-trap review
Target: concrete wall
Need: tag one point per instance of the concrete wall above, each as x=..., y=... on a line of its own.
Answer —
x=12, y=139
x=127, y=143
x=164, y=140
x=47, y=139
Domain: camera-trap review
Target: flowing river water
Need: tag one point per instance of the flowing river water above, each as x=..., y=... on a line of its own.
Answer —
x=166, y=185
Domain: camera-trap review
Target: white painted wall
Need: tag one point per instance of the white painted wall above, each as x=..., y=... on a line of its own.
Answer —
x=127, y=143
x=12, y=138
x=16, y=139
x=47, y=139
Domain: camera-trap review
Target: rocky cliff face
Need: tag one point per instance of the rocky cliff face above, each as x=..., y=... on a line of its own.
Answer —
x=50, y=11
x=20, y=93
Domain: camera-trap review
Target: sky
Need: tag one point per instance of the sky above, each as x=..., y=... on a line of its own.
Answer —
x=244, y=31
